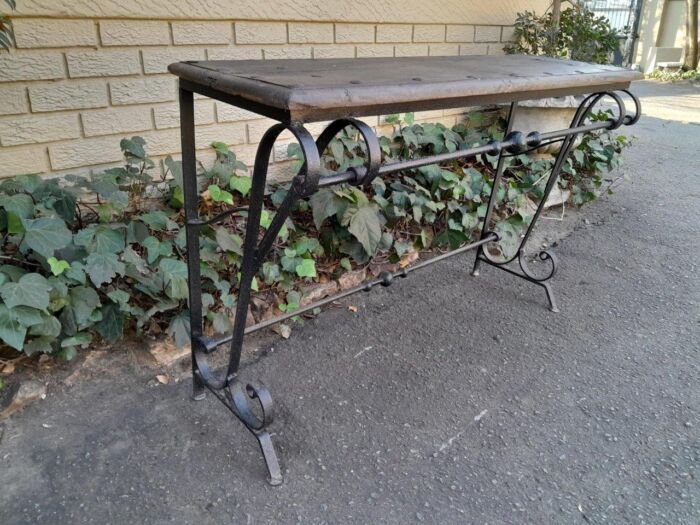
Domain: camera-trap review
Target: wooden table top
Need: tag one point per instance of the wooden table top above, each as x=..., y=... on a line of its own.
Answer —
x=313, y=90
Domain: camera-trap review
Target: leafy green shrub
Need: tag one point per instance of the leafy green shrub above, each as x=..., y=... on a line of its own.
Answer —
x=675, y=75
x=7, y=36
x=581, y=35
x=93, y=256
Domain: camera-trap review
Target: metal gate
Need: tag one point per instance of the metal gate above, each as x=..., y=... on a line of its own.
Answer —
x=624, y=16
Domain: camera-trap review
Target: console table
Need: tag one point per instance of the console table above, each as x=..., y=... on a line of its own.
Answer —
x=295, y=92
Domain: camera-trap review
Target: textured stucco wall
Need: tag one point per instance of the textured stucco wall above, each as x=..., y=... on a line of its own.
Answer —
x=87, y=73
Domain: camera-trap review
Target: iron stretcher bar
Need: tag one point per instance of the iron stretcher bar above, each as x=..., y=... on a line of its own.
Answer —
x=385, y=279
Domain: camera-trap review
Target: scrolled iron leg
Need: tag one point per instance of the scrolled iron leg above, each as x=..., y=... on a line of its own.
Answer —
x=241, y=399
x=524, y=144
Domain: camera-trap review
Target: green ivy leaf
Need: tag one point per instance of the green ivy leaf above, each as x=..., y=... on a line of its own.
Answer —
x=111, y=327
x=19, y=204
x=453, y=238
x=325, y=203
x=49, y=327
x=108, y=240
x=179, y=329
x=157, y=248
x=57, y=267
x=31, y=290
x=81, y=339
x=241, y=184
x=366, y=226
x=219, y=195
x=41, y=345
x=103, y=267
x=174, y=274
x=46, y=235
x=11, y=331
x=306, y=268
x=84, y=301
x=228, y=241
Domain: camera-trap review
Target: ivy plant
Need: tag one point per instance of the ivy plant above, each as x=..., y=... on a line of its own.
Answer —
x=88, y=258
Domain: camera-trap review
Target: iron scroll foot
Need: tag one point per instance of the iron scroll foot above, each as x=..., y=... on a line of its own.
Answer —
x=241, y=399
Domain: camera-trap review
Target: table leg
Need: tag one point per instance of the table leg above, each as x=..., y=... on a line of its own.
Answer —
x=191, y=194
x=567, y=144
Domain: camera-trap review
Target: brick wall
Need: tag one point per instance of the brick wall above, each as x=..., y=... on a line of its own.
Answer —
x=75, y=86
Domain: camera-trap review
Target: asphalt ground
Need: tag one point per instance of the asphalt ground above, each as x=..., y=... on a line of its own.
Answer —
x=443, y=399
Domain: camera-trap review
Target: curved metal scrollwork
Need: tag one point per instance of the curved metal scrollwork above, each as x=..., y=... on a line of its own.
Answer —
x=582, y=113
x=241, y=398
x=304, y=183
x=544, y=255
x=363, y=174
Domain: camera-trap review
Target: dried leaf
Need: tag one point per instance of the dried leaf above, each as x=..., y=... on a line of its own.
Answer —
x=352, y=308
x=163, y=379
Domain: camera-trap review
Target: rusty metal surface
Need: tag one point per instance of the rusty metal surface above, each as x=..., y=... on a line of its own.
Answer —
x=312, y=90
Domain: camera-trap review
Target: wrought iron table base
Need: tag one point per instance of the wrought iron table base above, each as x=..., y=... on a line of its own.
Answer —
x=251, y=403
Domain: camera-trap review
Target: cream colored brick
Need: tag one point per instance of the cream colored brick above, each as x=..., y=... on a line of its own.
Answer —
x=458, y=111
x=473, y=49
x=394, y=33
x=261, y=33
x=68, y=95
x=45, y=32
x=257, y=128
x=281, y=172
x=354, y=33
x=22, y=161
x=142, y=91
x=202, y=33
x=487, y=34
x=507, y=34
x=235, y=53
x=228, y=113
x=386, y=130
x=279, y=152
x=459, y=33
x=411, y=50
x=444, y=50
x=37, y=129
x=429, y=33
x=134, y=32
x=377, y=50
x=163, y=142
x=245, y=153
x=232, y=133
x=156, y=60
x=429, y=116
x=286, y=52
x=310, y=33
x=496, y=49
x=31, y=66
x=13, y=100
x=336, y=51
x=116, y=120
x=87, y=152
x=103, y=150
x=102, y=63
x=168, y=115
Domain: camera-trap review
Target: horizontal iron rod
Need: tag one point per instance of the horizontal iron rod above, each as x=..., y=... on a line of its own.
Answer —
x=210, y=344
x=218, y=218
x=385, y=169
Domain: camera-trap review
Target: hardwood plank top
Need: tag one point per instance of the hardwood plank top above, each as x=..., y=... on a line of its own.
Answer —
x=313, y=90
